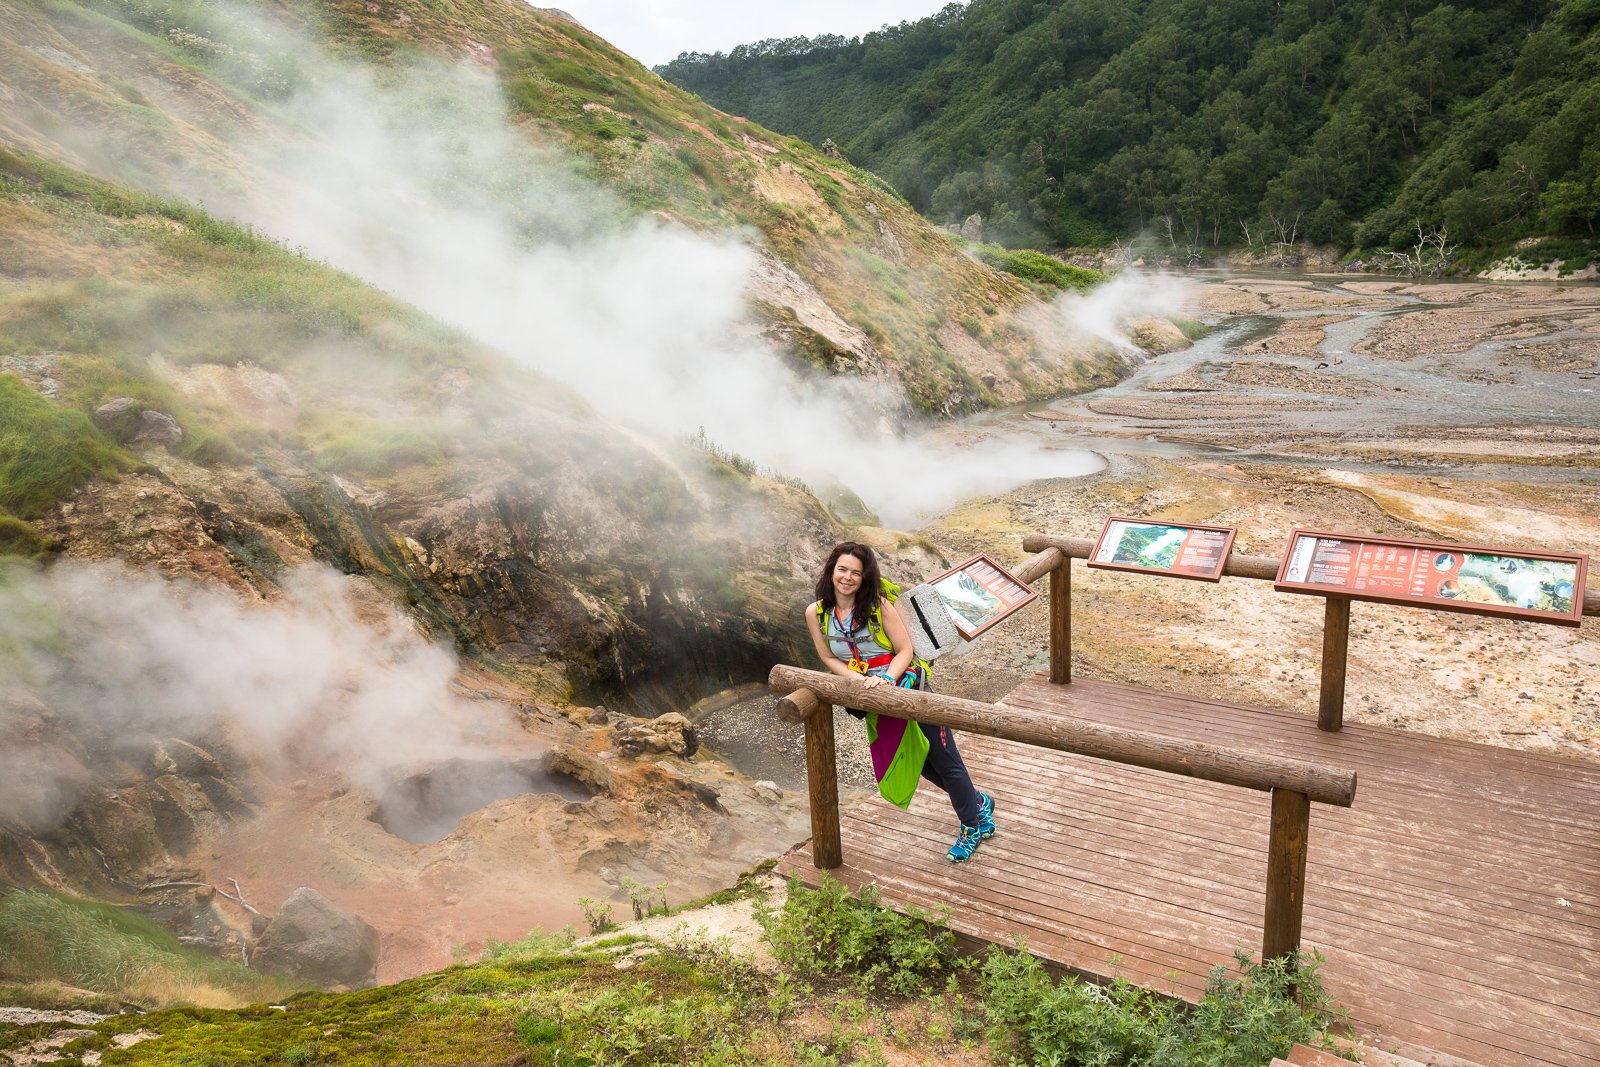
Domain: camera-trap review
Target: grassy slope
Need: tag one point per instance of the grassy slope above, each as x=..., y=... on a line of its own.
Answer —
x=856, y=984
x=113, y=276
x=662, y=149
x=117, y=954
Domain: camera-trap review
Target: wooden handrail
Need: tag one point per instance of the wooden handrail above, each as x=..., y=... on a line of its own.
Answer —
x=809, y=697
x=1139, y=748
x=1264, y=568
x=1335, y=621
x=1235, y=566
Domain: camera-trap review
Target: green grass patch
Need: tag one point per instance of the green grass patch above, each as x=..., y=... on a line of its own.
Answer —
x=1033, y=266
x=382, y=448
x=17, y=538
x=47, y=452
x=857, y=982
x=110, y=951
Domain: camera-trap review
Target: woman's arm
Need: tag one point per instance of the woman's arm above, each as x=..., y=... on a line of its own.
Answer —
x=894, y=626
x=825, y=651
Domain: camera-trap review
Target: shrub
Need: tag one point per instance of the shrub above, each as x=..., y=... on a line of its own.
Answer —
x=1035, y=266
x=1245, y=1020
x=825, y=932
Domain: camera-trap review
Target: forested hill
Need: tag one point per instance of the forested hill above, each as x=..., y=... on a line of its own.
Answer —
x=1079, y=121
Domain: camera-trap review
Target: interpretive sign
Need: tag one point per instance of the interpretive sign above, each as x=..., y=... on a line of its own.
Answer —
x=979, y=593
x=1183, y=550
x=1541, y=586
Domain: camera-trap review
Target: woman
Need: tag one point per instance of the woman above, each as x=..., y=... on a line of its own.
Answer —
x=857, y=639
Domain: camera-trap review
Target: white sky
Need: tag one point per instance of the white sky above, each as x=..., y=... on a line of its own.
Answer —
x=655, y=31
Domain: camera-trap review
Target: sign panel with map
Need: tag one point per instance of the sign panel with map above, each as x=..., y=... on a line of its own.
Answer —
x=1182, y=550
x=979, y=593
x=1540, y=586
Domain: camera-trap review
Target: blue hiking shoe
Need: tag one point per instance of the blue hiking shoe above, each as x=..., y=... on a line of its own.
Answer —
x=986, y=825
x=965, y=845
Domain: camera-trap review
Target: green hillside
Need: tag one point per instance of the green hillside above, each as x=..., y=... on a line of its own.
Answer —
x=1240, y=122
x=857, y=283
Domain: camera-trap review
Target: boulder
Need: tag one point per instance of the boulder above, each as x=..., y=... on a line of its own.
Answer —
x=127, y=420
x=972, y=227
x=157, y=428
x=119, y=417
x=666, y=733
x=315, y=940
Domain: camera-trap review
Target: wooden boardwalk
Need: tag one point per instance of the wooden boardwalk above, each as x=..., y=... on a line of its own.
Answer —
x=1457, y=902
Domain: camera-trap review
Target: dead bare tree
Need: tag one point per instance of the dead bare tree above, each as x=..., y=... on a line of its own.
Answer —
x=1432, y=256
x=1287, y=231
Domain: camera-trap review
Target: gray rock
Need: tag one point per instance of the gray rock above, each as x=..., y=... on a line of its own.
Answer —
x=156, y=428
x=972, y=227
x=117, y=416
x=315, y=940
x=599, y=716
x=127, y=420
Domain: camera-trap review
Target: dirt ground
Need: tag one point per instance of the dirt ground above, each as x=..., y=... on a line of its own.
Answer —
x=1458, y=479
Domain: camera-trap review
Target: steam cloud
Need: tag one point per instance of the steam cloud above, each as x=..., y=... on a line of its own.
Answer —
x=416, y=179
x=116, y=659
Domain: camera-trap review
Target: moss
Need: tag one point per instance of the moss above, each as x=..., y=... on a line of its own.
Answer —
x=47, y=452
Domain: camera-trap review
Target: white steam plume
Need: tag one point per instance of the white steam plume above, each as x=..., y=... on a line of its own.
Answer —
x=115, y=658
x=416, y=179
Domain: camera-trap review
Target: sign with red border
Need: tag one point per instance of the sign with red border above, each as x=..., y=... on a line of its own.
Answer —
x=979, y=593
x=1155, y=546
x=1475, y=579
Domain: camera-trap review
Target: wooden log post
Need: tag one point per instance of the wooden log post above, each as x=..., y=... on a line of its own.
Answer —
x=822, y=774
x=1061, y=623
x=797, y=705
x=1058, y=564
x=1335, y=658
x=1286, y=873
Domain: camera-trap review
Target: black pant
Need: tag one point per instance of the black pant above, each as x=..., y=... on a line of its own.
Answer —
x=945, y=769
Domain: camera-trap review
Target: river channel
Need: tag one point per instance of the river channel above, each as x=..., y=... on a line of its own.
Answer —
x=1328, y=367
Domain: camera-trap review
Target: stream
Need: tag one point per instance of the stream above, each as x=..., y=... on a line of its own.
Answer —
x=1456, y=383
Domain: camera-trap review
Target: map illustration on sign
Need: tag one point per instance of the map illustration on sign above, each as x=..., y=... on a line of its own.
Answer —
x=1182, y=550
x=1547, y=587
x=979, y=593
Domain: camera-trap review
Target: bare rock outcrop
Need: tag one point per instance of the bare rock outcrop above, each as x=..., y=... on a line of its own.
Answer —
x=313, y=939
x=666, y=733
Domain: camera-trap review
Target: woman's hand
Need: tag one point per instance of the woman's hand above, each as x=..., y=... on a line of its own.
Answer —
x=871, y=680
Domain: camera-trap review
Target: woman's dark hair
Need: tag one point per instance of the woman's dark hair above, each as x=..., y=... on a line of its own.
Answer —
x=866, y=597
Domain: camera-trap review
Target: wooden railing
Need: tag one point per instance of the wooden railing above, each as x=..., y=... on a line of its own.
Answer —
x=1293, y=784
x=1054, y=554
x=808, y=697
